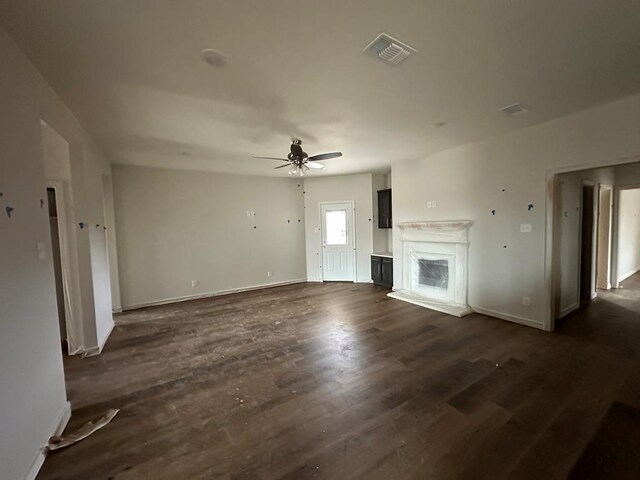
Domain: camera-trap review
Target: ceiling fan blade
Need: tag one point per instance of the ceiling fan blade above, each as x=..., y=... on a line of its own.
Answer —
x=282, y=166
x=273, y=158
x=326, y=156
x=314, y=165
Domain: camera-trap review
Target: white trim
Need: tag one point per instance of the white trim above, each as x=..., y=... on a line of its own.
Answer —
x=616, y=278
x=57, y=428
x=93, y=351
x=218, y=293
x=510, y=318
x=601, y=189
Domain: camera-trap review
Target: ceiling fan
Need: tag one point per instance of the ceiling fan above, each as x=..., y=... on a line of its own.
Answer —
x=299, y=162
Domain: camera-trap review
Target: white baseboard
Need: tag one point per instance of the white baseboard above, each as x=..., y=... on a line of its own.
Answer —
x=116, y=310
x=510, y=318
x=218, y=293
x=58, y=427
x=622, y=278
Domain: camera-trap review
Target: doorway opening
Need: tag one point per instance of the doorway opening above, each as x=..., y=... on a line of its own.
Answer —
x=57, y=164
x=595, y=233
x=627, y=239
x=588, y=241
x=338, y=242
x=55, y=228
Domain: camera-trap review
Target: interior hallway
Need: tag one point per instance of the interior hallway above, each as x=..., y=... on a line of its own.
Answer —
x=338, y=381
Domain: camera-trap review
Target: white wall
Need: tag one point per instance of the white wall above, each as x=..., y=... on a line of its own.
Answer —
x=628, y=233
x=32, y=392
x=175, y=226
x=506, y=173
x=357, y=188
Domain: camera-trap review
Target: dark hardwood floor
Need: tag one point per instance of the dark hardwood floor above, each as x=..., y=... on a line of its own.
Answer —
x=337, y=381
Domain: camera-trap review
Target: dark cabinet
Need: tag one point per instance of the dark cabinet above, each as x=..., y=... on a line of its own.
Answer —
x=376, y=270
x=382, y=271
x=384, y=208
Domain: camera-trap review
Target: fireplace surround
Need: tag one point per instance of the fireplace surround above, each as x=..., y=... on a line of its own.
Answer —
x=434, y=259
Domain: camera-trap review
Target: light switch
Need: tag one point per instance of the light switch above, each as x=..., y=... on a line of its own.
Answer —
x=525, y=228
x=42, y=252
x=434, y=204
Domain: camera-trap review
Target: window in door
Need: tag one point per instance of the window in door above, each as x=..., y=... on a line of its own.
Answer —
x=336, y=225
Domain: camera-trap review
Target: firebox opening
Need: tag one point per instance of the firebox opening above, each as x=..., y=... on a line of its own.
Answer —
x=434, y=273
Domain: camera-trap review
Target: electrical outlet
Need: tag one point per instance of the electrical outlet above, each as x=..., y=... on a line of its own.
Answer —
x=525, y=228
x=194, y=283
x=269, y=273
x=526, y=301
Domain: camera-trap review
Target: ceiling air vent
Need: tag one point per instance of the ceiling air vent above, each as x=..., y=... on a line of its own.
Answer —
x=389, y=49
x=514, y=110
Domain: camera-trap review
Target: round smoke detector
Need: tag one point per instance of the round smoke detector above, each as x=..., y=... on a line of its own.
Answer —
x=213, y=57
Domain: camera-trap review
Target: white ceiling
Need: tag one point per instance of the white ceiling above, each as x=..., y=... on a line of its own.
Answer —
x=131, y=71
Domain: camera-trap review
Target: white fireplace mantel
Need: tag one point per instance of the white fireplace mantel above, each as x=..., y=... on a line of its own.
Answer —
x=447, y=231
x=441, y=241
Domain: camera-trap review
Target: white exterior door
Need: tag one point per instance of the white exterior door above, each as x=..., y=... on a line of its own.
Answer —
x=338, y=242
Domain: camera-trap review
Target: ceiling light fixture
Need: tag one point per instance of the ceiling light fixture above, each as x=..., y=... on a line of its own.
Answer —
x=299, y=170
x=214, y=57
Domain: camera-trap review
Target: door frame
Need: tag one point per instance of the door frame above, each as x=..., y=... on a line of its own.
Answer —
x=551, y=267
x=601, y=189
x=74, y=346
x=615, y=230
x=594, y=239
x=353, y=229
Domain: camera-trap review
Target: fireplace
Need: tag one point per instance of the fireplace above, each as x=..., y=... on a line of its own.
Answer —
x=434, y=266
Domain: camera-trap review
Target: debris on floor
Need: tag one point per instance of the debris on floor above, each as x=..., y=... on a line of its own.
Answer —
x=58, y=442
